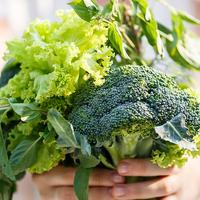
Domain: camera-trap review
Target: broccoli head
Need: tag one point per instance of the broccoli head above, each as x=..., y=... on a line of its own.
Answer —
x=124, y=111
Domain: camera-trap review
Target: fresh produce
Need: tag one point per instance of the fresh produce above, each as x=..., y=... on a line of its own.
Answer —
x=138, y=112
x=76, y=90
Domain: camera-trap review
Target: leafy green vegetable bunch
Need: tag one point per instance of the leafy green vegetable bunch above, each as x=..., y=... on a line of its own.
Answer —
x=77, y=90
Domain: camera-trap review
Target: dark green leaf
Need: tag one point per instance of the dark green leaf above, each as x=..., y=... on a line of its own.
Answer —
x=176, y=132
x=116, y=40
x=28, y=112
x=186, y=52
x=24, y=155
x=4, y=162
x=149, y=25
x=10, y=69
x=85, y=146
x=88, y=161
x=105, y=162
x=144, y=147
x=7, y=188
x=63, y=128
x=188, y=18
x=81, y=182
x=86, y=9
x=178, y=28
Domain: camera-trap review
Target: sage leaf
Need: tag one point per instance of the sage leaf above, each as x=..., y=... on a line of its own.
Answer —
x=63, y=128
x=176, y=132
x=81, y=182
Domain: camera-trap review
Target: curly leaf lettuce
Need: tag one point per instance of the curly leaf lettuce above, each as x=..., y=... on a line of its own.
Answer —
x=56, y=56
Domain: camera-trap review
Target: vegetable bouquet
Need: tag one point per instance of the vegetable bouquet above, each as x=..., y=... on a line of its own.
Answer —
x=79, y=91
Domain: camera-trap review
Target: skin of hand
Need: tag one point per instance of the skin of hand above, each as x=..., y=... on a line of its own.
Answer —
x=170, y=184
x=57, y=184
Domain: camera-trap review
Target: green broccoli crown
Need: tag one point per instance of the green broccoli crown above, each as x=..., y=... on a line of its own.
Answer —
x=131, y=95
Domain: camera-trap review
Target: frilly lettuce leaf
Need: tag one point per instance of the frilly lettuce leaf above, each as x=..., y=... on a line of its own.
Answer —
x=174, y=155
x=49, y=156
x=56, y=56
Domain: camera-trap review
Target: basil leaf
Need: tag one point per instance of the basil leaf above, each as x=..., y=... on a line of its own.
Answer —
x=28, y=112
x=86, y=9
x=81, y=182
x=188, y=18
x=24, y=155
x=116, y=40
x=63, y=128
x=176, y=132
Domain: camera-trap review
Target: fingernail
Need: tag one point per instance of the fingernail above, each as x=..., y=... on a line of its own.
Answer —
x=119, y=191
x=123, y=168
x=118, y=179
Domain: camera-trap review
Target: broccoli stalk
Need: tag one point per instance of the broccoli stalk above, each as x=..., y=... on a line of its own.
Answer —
x=132, y=144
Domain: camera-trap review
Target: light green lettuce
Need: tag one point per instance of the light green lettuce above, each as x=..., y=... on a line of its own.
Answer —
x=57, y=56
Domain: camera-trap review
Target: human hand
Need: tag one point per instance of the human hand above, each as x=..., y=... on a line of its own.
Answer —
x=57, y=184
x=169, y=184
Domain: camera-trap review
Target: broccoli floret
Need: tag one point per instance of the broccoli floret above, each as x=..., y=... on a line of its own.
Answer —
x=133, y=99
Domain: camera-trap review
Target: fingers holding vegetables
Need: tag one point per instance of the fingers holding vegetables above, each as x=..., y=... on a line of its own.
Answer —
x=60, y=176
x=67, y=193
x=170, y=183
x=143, y=167
x=59, y=183
x=158, y=187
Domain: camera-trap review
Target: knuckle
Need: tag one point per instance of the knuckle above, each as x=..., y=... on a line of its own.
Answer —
x=96, y=176
x=168, y=187
x=64, y=193
x=40, y=181
x=37, y=178
x=142, y=166
x=100, y=176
